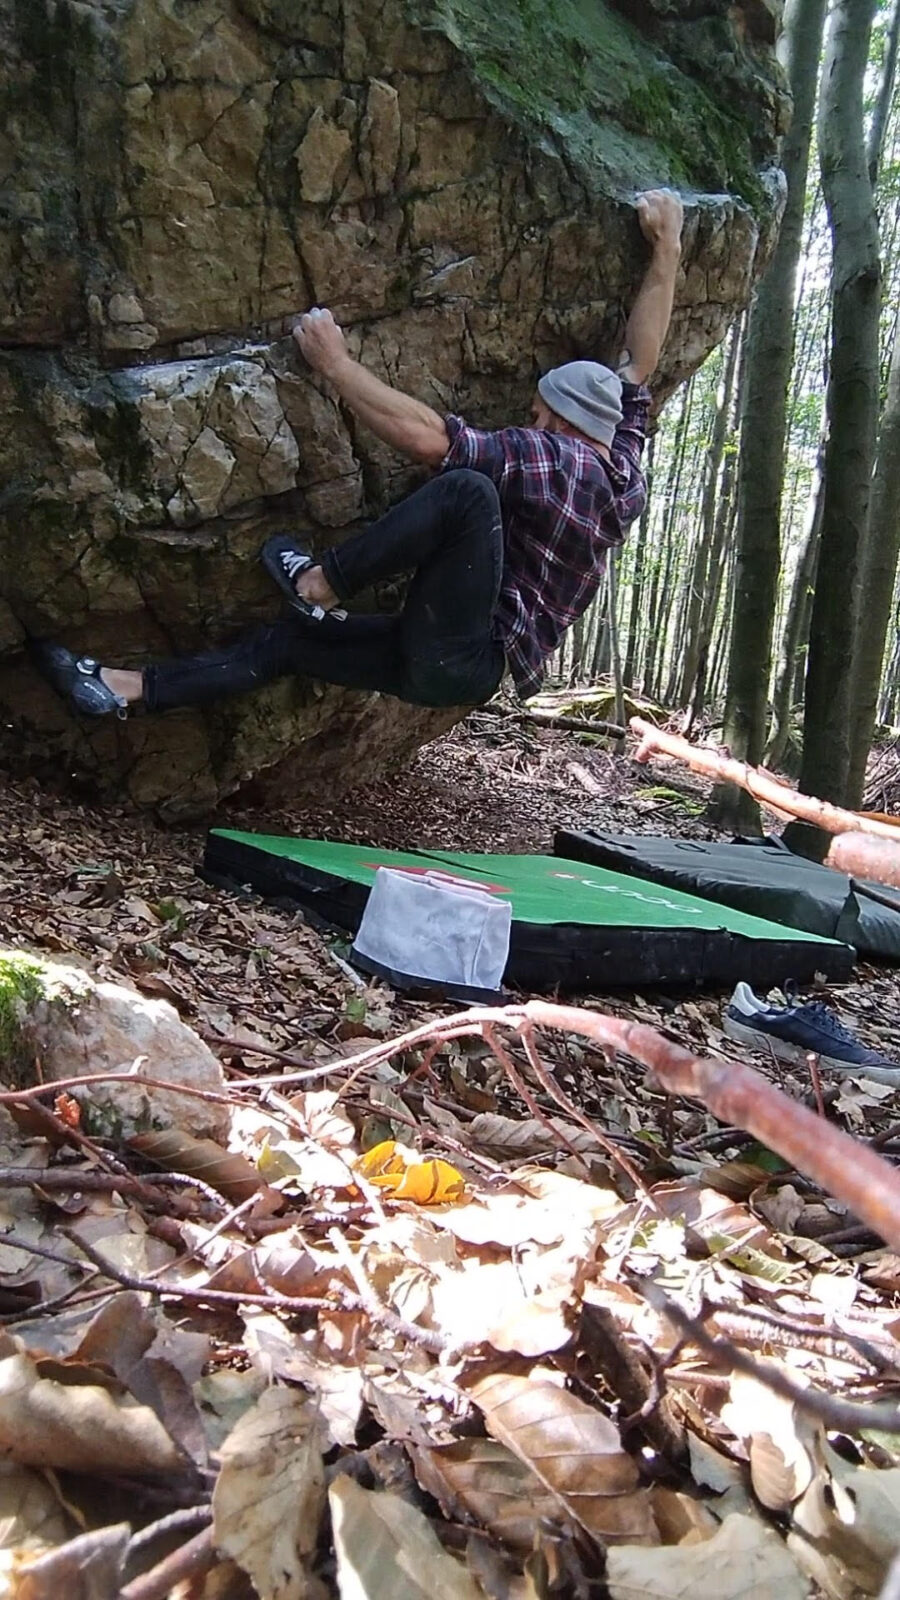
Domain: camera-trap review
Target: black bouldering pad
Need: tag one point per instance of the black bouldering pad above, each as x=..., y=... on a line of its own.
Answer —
x=759, y=876
x=572, y=929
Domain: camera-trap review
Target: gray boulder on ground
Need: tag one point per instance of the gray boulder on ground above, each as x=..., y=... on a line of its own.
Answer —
x=74, y=1026
x=180, y=180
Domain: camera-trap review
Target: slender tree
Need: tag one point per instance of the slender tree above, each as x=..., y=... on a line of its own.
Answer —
x=851, y=404
x=638, y=571
x=796, y=631
x=885, y=90
x=767, y=369
x=881, y=544
x=704, y=564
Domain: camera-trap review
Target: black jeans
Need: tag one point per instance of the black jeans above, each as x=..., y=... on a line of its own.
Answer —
x=439, y=650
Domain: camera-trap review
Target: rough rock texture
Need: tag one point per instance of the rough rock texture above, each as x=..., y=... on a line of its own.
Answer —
x=179, y=178
x=73, y=1025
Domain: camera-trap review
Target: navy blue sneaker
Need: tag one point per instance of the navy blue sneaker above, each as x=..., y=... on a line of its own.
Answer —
x=77, y=679
x=284, y=560
x=793, y=1032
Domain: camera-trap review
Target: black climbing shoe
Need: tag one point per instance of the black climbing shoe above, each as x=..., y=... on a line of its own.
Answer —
x=77, y=679
x=284, y=560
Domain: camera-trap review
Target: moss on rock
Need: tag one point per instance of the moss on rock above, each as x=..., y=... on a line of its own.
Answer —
x=584, y=73
x=22, y=986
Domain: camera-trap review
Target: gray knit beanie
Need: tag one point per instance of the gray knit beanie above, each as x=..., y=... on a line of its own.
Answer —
x=586, y=394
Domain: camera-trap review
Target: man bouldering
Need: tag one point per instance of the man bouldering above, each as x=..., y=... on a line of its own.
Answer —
x=506, y=544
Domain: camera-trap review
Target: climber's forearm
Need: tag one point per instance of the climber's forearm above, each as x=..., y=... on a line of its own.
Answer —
x=651, y=313
x=406, y=424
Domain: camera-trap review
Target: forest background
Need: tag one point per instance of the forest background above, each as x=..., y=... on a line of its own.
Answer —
x=759, y=591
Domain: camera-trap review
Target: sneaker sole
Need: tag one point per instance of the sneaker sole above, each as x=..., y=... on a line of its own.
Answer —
x=769, y=1044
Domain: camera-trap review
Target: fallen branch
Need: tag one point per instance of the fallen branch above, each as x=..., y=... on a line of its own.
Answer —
x=735, y=1094
x=761, y=784
x=191, y=1560
x=558, y=719
x=862, y=856
x=845, y=1416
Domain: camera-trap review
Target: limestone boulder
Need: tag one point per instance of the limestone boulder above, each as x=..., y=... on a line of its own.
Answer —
x=76, y=1026
x=180, y=180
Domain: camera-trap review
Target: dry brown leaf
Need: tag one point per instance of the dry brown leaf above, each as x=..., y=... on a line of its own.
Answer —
x=174, y=1151
x=848, y=1527
x=87, y=1568
x=680, y=1518
x=270, y=1493
x=506, y=1137
x=31, y=1518
x=745, y=1560
x=338, y=1389
x=479, y=1480
x=76, y=1427
x=781, y=1443
x=386, y=1549
x=323, y=1118
x=574, y=1450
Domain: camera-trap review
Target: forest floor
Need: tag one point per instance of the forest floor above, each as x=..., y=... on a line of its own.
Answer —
x=521, y=1314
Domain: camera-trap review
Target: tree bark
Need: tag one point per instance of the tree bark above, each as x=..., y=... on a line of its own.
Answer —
x=662, y=572
x=767, y=372
x=851, y=404
x=703, y=563
x=724, y=529
x=615, y=656
x=637, y=581
x=876, y=589
x=796, y=629
x=885, y=90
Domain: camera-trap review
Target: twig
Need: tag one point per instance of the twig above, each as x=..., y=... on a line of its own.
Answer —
x=190, y=1561
x=55, y=1179
x=557, y=1135
x=552, y=1088
x=558, y=719
x=244, y=1047
x=342, y=1299
x=175, y=1522
x=845, y=1416
x=812, y=1062
x=794, y=1332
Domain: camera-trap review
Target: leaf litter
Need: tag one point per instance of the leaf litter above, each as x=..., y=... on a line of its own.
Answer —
x=404, y=1336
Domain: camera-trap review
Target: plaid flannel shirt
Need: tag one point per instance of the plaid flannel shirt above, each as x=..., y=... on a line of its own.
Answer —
x=563, y=506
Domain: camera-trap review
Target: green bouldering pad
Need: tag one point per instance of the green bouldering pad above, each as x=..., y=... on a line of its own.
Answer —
x=575, y=926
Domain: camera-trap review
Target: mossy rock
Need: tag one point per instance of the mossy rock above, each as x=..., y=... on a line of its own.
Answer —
x=75, y=1026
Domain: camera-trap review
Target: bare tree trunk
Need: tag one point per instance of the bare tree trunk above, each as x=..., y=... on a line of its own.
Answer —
x=612, y=595
x=600, y=657
x=797, y=626
x=702, y=564
x=723, y=632
x=767, y=371
x=851, y=405
x=877, y=581
x=576, y=667
x=724, y=527
x=883, y=103
x=637, y=582
x=662, y=574
x=887, y=709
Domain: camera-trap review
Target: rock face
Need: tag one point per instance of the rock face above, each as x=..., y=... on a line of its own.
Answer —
x=180, y=178
x=74, y=1025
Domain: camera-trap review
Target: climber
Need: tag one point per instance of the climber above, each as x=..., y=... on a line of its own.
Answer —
x=506, y=544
